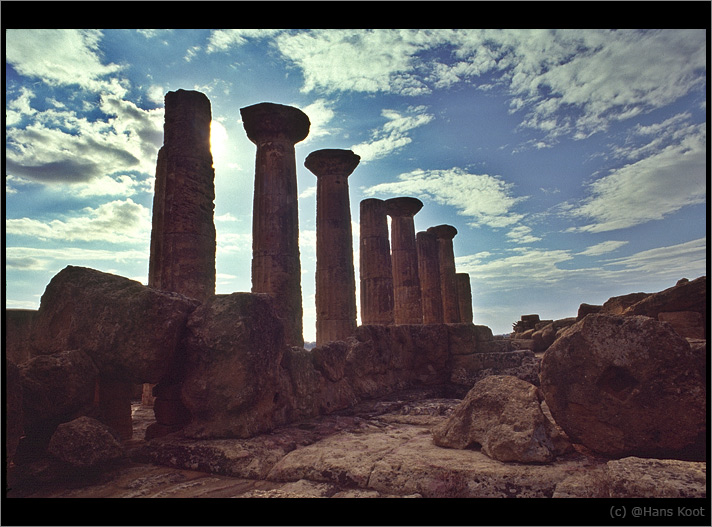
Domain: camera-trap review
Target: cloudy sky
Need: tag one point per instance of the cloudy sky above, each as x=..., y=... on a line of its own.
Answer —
x=572, y=163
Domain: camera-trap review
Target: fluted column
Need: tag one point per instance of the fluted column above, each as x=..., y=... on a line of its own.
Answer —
x=429, y=275
x=464, y=295
x=448, y=283
x=335, y=280
x=183, y=244
x=276, y=269
x=407, y=303
x=375, y=264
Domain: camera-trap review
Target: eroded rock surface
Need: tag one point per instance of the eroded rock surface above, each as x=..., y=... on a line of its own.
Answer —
x=627, y=385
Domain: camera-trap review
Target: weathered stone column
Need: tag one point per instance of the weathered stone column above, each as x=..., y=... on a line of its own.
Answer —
x=407, y=303
x=429, y=274
x=335, y=280
x=375, y=269
x=464, y=296
x=276, y=269
x=448, y=283
x=183, y=243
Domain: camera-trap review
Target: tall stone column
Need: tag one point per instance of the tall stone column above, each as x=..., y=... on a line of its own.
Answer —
x=335, y=280
x=448, y=283
x=375, y=269
x=464, y=295
x=407, y=303
x=276, y=269
x=183, y=244
x=429, y=274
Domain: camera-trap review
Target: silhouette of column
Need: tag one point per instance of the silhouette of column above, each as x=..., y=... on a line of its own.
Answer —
x=448, y=283
x=335, y=280
x=464, y=296
x=429, y=275
x=375, y=264
x=407, y=303
x=276, y=269
x=182, y=256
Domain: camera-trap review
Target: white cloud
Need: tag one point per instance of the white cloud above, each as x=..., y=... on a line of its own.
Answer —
x=522, y=234
x=60, y=146
x=224, y=39
x=61, y=57
x=602, y=248
x=486, y=200
x=114, y=222
x=375, y=60
x=36, y=258
x=670, y=178
x=676, y=261
x=320, y=114
x=394, y=133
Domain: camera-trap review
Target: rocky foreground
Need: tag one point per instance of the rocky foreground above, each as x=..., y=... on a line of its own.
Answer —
x=381, y=449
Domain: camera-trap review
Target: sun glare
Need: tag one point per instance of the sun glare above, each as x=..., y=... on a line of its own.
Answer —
x=218, y=142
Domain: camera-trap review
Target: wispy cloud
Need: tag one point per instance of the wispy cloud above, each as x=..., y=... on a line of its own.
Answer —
x=394, y=133
x=668, y=179
x=484, y=199
x=602, y=248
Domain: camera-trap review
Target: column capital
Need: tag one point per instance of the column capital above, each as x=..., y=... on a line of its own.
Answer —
x=403, y=206
x=444, y=232
x=269, y=121
x=332, y=162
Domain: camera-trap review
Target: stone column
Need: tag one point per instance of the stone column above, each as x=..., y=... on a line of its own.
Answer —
x=183, y=244
x=375, y=269
x=276, y=268
x=464, y=296
x=429, y=274
x=407, y=303
x=448, y=283
x=335, y=280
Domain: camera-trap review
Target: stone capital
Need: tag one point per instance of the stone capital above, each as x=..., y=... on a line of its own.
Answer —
x=443, y=232
x=403, y=206
x=269, y=121
x=332, y=162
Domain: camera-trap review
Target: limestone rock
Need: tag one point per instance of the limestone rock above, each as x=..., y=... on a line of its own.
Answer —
x=626, y=385
x=234, y=385
x=85, y=443
x=57, y=388
x=688, y=324
x=684, y=296
x=633, y=477
x=129, y=330
x=502, y=414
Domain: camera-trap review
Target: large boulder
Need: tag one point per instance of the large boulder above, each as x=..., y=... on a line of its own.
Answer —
x=503, y=415
x=57, y=388
x=85, y=443
x=234, y=384
x=627, y=386
x=129, y=330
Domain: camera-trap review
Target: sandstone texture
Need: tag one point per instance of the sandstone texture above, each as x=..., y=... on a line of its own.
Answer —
x=503, y=415
x=627, y=385
x=129, y=330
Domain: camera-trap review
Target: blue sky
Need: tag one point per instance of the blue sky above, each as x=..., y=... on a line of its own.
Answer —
x=572, y=163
